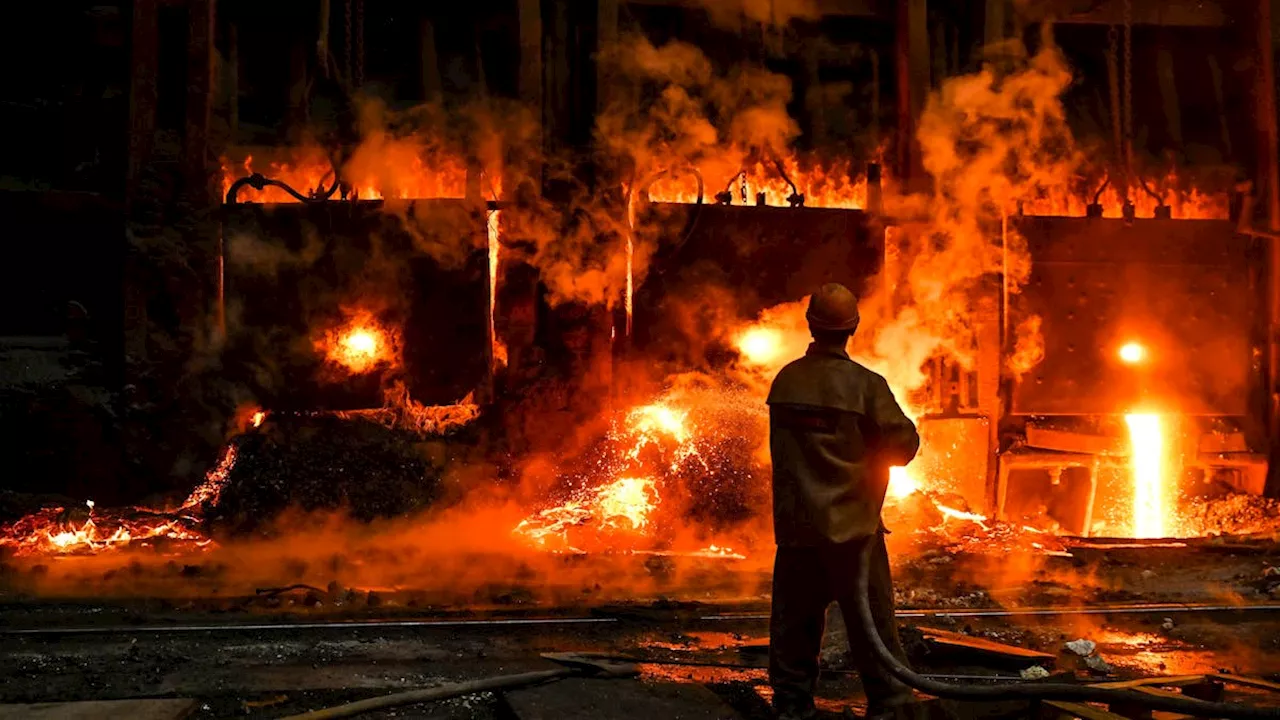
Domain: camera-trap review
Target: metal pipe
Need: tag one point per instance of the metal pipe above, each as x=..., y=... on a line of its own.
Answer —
x=1028, y=691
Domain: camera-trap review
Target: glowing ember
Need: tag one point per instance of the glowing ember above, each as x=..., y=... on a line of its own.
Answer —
x=360, y=346
x=258, y=417
x=627, y=500
x=1150, y=504
x=1132, y=353
x=952, y=513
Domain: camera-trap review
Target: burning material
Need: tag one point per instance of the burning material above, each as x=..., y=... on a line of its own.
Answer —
x=381, y=168
x=402, y=412
x=58, y=531
x=624, y=505
x=693, y=449
x=360, y=345
x=1151, y=509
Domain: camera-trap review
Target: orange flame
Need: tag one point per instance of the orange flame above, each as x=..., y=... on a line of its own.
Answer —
x=826, y=185
x=382, y=168
x=360, y=345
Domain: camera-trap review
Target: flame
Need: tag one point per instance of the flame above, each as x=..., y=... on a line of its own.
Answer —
x=381, y=168
x=902, y=483
x=1132, y=353
x=949, y=512
x=214, y=480
x=493, y=228
x=630, y=493
x=759, y=345
x=829, y=184
x=49, y=532
x=1188, y=204
x=1150, y=502
x=360, y=345
x=258, y=417
x=628, y=500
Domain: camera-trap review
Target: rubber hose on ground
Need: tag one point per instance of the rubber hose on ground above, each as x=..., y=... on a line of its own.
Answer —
x=1031, y=691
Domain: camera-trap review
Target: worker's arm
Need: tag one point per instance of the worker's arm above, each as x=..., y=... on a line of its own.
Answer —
x=893, y=436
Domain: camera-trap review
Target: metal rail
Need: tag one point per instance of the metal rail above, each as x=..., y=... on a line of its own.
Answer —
x=1146, y=609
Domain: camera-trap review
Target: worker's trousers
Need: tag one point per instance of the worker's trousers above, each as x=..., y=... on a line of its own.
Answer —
x=805, y=581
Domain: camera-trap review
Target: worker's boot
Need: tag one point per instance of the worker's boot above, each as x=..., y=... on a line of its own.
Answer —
x=795, y=711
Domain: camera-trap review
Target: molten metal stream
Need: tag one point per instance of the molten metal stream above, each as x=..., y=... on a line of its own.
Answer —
x=1150, y=505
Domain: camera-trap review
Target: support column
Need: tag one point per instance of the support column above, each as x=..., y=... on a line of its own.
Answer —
x=913, y=84
x=200, y=85
x=1268, y=178
x=144, y=59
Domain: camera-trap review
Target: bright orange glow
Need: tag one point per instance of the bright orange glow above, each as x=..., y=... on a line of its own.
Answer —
x=1184, y=204
x=258, y=417
x=381, y=168
x=826, y=185
x=1150, y=501
x=952, y=513
x=498, y=349
x=1132, y=353
x=902, y=483
x=359, y=346
x=761, y=345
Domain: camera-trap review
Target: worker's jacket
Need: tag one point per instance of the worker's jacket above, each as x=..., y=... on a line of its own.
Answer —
x=835, y=429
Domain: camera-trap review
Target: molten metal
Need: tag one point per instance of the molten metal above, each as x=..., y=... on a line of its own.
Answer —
x=1150, y=503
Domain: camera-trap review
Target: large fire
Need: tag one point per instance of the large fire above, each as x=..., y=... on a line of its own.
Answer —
x=404, y=169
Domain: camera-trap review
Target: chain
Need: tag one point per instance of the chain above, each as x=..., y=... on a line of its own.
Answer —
x=346, y=40
x=1113, y=75
x=359, y=43
x=744, y=188
x=1128, y=87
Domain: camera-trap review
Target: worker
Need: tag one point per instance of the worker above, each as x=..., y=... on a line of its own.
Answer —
x=835, y=429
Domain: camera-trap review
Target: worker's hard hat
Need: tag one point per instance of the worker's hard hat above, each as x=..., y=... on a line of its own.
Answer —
x=834, y=309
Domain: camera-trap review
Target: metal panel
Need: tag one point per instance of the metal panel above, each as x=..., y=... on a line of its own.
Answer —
x=764, y=255
x=1180, y=288
x=291, y=267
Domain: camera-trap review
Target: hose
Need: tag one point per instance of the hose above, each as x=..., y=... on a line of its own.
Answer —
x=1029, y=691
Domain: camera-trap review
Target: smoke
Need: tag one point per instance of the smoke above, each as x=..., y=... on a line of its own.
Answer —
x=669, y=108
x=990, y=140
x=731, y=14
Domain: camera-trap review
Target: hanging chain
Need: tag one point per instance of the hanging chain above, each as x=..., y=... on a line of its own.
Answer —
x=1113, y=76
x=346, y=40
x=1128, y=89
x=359, y=43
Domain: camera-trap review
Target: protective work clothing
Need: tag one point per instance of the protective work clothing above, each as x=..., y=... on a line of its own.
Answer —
x=835, y=430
